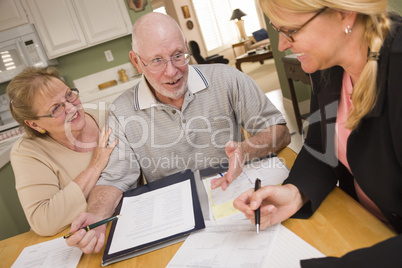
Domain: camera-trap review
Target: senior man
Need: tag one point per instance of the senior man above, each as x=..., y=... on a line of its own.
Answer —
x=178, y=117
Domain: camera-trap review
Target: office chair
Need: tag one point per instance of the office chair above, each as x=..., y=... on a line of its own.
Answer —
x=195, y=50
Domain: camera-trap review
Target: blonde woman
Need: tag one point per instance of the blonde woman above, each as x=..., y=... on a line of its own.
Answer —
x=62, y=154
x=353, y=51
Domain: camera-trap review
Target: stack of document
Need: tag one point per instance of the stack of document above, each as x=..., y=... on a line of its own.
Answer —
x=235, y=244
x=230, y=240
x=173, y=209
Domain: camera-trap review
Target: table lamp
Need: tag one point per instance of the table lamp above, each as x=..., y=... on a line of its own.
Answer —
x=236, y=15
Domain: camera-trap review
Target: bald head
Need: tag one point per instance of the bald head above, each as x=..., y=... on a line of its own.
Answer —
x=152, y=27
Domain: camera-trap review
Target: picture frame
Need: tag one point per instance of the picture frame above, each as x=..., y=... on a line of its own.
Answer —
x=137, y=5
x=186, y=12
x=190, y=25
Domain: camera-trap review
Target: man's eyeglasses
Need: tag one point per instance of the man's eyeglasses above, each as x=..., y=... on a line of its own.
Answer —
x=159, y=64
x=58, y=109
x=289, y=34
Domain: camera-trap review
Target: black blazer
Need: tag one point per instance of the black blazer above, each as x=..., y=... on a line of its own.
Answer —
x=374, y=153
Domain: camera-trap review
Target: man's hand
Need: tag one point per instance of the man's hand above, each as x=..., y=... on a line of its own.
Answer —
x=265, y=142
x=91, y=241
x=236, y=163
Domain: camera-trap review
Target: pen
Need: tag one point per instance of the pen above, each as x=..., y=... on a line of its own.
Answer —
x=94, y=225
x=257, y=212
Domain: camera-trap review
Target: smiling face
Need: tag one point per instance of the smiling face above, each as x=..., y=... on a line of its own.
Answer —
x=319, y=44
x=71, y=121
x=315, y=45
x=160, y=38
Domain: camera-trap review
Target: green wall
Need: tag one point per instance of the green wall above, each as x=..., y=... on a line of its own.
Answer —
x=396, y=5
x=92, y=60
x=3, y=87
x=12, y=220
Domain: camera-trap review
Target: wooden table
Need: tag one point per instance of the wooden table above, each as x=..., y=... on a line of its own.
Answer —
x=294, y=72
x=253, y=57
x=338, y=226
x=240, y=46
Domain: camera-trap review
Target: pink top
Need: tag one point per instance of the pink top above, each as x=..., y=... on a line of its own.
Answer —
x=341, y=137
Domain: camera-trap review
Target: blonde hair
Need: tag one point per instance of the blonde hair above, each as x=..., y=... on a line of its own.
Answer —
x=22, y=91
x=375, y=19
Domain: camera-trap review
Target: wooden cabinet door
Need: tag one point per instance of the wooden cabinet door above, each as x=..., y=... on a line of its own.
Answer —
x=12, y=14
x=58, y=26
x=103, y=20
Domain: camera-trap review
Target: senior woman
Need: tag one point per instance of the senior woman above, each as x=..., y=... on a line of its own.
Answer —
x=353, y=50
x=62, y=153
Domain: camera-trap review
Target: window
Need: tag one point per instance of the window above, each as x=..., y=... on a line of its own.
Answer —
x=214, y=19
x=160, y=9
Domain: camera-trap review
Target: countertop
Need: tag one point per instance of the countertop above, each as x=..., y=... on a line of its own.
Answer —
x=94, y=94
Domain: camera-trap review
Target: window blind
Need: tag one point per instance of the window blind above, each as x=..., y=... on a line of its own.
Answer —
x=214, y=19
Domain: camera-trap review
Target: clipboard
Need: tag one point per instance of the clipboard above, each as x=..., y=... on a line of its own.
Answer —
x=185, y=176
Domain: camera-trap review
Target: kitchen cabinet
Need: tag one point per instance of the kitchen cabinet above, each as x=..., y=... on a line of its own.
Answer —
x=103, y=20
x=12, y=14
x=66, y=26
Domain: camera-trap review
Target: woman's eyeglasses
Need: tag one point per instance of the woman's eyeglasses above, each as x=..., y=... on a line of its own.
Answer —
x=58, y=109
x=289, y=34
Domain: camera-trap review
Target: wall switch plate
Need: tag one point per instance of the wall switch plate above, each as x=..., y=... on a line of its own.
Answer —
x=109, y=56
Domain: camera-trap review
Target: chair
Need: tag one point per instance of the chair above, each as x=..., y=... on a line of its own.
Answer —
x=195, y=50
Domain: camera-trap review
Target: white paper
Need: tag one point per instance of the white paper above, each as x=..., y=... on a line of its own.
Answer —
x=226, y=244
x=271, y=171
x=154, y=215
x=54, y=253
x=289, y=249
x=236, y=188
x=232, y=241
x=233, y=245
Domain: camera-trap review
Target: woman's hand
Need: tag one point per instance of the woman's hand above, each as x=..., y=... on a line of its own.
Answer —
x=278, y=203
x=87, y=179
x=102, y=153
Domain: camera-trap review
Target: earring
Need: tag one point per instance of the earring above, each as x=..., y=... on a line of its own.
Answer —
x=42, y=131
x=348, y=30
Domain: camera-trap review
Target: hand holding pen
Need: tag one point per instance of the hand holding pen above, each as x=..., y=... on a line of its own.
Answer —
x=94, y=225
